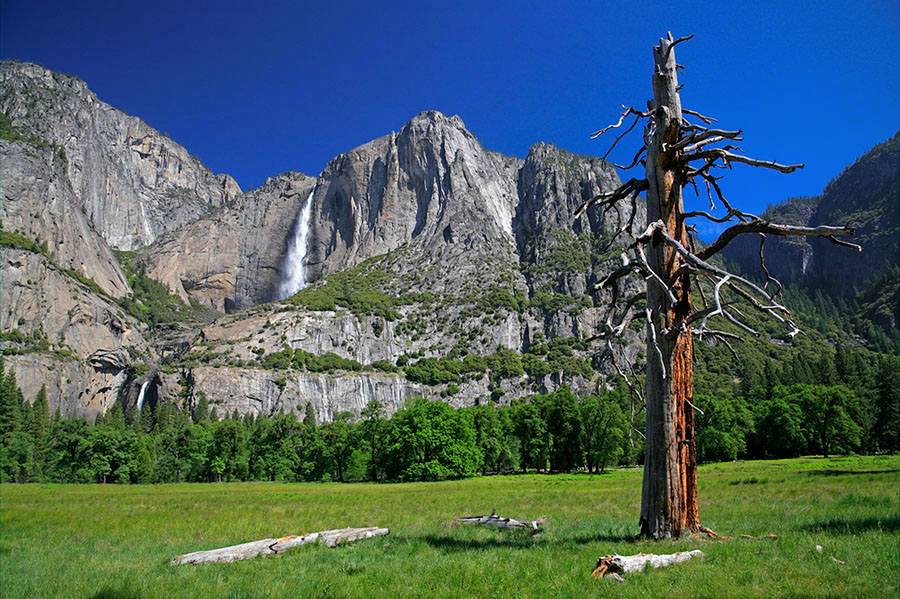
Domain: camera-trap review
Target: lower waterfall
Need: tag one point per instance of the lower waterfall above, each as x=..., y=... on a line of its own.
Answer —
x=140, y=402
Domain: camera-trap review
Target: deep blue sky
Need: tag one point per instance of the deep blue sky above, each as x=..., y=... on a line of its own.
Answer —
x=259, y=88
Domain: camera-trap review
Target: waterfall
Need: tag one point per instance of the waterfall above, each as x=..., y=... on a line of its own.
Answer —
x=140, y=402
x=294, y=277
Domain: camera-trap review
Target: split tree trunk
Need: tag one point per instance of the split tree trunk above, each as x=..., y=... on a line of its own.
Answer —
x=669, y=501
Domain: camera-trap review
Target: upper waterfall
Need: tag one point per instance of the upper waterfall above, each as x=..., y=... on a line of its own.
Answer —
x=293, y=268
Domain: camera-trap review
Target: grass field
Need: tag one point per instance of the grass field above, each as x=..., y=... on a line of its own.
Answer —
x=116, y=541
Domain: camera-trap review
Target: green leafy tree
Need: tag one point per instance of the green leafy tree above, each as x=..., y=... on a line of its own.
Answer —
x=563, y=421
x=68, y=450
x=229, y=445
x=828, y=417
x=530, y=429
x=605, y=428
x=721, y=427
x=430, y=440
x=373, y=430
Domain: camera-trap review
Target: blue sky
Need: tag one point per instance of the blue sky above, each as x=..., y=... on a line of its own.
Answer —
x=255, y=89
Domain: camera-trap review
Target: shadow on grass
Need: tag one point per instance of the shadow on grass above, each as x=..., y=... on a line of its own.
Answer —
x=113, y=593
x=852, y=526
x=454, y=545
x=848, y=472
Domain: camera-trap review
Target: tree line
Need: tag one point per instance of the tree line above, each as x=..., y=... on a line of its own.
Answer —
x=840, y=404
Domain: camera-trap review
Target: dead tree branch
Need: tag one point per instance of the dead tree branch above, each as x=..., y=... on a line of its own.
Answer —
x=761, y=226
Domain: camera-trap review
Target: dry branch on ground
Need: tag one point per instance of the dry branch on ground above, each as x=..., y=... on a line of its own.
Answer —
x=496, y=521
x=613, y=566
x=264, y=547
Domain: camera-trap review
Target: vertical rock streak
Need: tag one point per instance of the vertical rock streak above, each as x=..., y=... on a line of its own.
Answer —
x=293, y=269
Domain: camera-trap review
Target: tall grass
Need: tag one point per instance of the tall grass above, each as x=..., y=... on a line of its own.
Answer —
x=116, y=541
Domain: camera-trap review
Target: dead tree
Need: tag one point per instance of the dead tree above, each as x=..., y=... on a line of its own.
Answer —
x=681, y=148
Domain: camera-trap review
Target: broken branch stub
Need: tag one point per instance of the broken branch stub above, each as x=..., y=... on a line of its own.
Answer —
x=265, y=547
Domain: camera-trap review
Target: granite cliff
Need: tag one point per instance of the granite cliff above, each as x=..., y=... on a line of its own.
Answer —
x=429, y=246
x=132, y=182
x=865, y=196
x=417, y=264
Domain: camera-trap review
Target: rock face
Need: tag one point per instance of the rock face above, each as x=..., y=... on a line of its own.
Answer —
x=865, y=196
x=431, y=184
x=426, y=212
x=65, y=336
x=265, y=393
x=132, y=182
x=420, y=244
x=233, y=259
x=38, y=202
x=430, y=191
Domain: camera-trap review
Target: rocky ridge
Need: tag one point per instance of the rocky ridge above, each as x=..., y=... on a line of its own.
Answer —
x=865, y=196
x=453, y=242
x=438, y=268
x=132, y=182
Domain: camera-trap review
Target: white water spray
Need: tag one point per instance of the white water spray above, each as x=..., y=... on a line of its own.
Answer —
x=140, y=402
x=294, y=270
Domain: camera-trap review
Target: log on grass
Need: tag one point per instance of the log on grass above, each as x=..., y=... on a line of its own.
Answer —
x=497, y=522
x=274, y=546
x=614, y=565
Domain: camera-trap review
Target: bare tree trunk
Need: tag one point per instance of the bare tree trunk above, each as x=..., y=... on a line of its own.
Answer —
x=669, y=493
x=679, y=152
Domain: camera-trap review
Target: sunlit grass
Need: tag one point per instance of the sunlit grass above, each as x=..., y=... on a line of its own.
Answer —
x=117, y=541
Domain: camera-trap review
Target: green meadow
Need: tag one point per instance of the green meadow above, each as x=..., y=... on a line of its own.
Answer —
x=111, y=541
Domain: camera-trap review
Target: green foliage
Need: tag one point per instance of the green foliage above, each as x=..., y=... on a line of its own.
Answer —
x=14, y=240
x=383, y=366
x=358, y=289
x=432, y=371
x=151, y=301
x=429, y=440
x=498, y=298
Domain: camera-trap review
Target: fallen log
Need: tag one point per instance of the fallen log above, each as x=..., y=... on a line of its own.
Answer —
x=613, y=565
x=252, y=549
x=496, y=521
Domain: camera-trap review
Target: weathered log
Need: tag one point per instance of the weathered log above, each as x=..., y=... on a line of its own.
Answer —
x=497, y=522
x=252, y=549
x=613, y=565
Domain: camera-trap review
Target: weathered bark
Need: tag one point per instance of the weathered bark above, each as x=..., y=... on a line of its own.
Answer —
x=664, y=257
x=496, y=521
x=274, y=546
x=669, y=497
x=611, y=565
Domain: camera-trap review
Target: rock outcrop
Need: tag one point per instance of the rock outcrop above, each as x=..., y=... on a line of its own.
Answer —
x=62, y=334
x=132, y=182
x=232, y=260
x=865, y=196
x=420, y=244
x=38, y=203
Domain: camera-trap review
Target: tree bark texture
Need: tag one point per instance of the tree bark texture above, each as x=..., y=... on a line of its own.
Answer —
x=669, y=503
